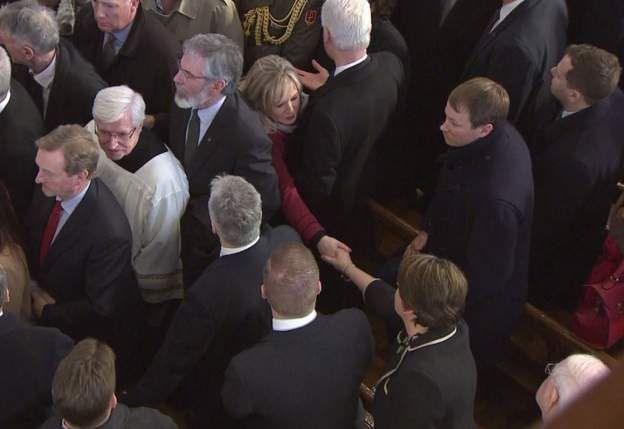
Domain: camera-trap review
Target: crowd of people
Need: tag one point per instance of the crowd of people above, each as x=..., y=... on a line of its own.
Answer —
x=183, y=186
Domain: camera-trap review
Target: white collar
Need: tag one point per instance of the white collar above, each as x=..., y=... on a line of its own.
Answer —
x=46, y=76
x=342, y=68
x=5, y=102
x=290, y=324
x=565, y=112
x=232, y=250
x=209, y=112
x=506, y=10
x=70, y=204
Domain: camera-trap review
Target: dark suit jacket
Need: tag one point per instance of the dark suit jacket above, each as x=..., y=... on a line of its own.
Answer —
x=307, y=377
x=87, y=269
x=480, y=218
x=146, y=62
x=20, y=126
x=519, y=54
x=74, y=87
x=29, y=356
x=223, y=313
x=434, y=386
x=123, y=417
x=576, y=174
x=343, y=120
x=235, y=143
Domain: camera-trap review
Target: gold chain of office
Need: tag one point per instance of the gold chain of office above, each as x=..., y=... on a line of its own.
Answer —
x=259, y=20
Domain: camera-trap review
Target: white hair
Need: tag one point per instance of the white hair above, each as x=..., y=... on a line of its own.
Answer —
x=349, y=22
x=111, y=103
x=5, y=73
x=576, y=374
x=32, y=23
x=235, y=208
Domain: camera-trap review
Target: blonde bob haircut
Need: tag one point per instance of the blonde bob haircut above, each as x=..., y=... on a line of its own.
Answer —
x=267, y=83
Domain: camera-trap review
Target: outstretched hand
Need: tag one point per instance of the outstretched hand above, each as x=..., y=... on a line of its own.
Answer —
x=417, y=244
x=340, y=260
x=329, y=245
x=311, y=80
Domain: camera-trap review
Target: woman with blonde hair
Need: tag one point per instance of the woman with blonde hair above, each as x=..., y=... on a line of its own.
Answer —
x=272, y=88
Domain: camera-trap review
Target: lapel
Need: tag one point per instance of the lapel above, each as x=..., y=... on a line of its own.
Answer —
x=488, y=38
x=55, y=100
x=220, y=126
x=73, y=228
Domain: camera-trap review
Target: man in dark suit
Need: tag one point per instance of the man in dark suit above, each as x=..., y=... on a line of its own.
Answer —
x=212, y=130
x=60, y=81
x=223, y=312
x=577, y=162
x=306, y=373
x=523, y=40
x=20, y=126
x=28, y=358
x=129, y=47
x=480, y=215
x=344, y=117
x=80, y=245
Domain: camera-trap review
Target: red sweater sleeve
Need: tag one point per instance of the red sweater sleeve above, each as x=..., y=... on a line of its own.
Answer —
x=293, y=207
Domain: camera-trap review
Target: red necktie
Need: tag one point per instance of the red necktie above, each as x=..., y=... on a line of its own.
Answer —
x=50, y=229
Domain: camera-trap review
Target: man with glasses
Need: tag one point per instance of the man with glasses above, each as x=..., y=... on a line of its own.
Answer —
x=151, y=187
x=212, y=130
x=130, y=47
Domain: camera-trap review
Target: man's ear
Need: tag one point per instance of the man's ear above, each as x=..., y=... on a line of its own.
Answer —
x=485, y=130
x=213, y=227
x=326, y=35
x=319, y=287
x=27, y=52
x=263, y=291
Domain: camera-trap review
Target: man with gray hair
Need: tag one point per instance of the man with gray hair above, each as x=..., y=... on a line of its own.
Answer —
x=223, y=312
x=60, y=81
x=568, y=380
x=345, y=116
x=150, y=185
x=212, y=131
x=29, y=356
x=20, y=125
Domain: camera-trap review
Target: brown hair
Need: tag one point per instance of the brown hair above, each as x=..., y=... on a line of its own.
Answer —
x=434, y=288
x=291, y=276
x=595, y=72
x=79, y=148
x=486, y=101
x=267, y=82
x=84, y=383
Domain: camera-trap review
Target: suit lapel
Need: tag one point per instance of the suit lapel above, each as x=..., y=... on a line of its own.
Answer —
x=72, y=230
x=55, y=99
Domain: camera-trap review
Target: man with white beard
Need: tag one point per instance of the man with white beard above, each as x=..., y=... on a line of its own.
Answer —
x=212, y=131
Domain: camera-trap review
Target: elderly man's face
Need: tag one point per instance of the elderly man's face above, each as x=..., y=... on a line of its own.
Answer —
x=117, y=139
x=193, y=89
x=15, y=48
x=54, y=180
x=114, y=15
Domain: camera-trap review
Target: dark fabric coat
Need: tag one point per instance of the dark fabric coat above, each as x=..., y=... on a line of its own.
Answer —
x=576, y=172
x=146, y=62
x=74, y=88
x=480, y=218
x=223, y=314
x=519, y=54
x=29, y=356
x=306, y=378
x=341, y=124
x=20, y=125
x=434, y=386
x=235, y=143
x=87, y=269
x=123, y=417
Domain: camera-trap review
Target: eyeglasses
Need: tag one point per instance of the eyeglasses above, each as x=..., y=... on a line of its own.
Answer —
x=187, y=74
x=117, y=136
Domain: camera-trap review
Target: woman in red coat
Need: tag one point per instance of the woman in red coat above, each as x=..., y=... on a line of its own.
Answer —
x=272, y=88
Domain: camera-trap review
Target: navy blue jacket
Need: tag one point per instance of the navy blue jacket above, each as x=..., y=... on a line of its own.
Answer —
x=480, y=218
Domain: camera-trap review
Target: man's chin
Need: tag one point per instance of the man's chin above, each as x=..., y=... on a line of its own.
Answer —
x=183, y=103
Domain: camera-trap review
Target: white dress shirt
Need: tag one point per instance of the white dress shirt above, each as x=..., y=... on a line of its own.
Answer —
x=342, y=68
x=206, y=116
x=45, y=78
x=290, y=324
x=5, y=101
